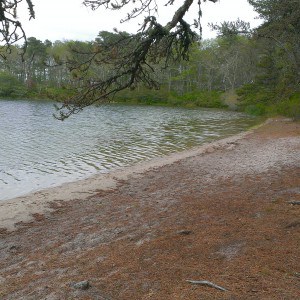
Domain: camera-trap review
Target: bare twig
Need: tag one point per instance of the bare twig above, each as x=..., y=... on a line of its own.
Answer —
x=294, y=202
x=11, y=30
x=207, y=283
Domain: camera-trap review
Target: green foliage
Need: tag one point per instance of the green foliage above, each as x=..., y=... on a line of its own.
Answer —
x=252, y=94
x=279, y=38
x=256, y=109
x=163, y=97
x=142, y=96
x=11, y=87
x=51, y=93
x=257, y=99
x=275, y=89
x=210, y=99
x=289, y=107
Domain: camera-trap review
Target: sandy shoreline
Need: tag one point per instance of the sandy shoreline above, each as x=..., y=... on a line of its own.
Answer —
x=22, y=209
x=227, y=212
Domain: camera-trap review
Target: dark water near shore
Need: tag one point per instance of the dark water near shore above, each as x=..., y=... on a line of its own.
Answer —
x=37, y=151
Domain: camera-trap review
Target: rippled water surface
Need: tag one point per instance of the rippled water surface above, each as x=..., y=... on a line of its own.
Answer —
x=37, y=151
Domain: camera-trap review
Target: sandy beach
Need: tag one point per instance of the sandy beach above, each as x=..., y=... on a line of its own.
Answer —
x=226, y=212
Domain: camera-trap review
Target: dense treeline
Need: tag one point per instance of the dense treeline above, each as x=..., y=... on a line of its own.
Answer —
x=219, y=64
x=276, y=86
x=259, y=69
x=38, y=73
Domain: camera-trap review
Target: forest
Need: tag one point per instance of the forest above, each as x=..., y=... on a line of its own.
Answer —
x=258, y=71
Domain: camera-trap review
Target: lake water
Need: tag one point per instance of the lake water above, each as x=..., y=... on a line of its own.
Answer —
x=38, y=151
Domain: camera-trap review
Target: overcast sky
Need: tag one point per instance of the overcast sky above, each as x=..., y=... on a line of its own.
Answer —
x=70, y=20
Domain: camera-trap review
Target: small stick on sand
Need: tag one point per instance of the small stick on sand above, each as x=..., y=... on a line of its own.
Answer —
x=207, y=283
x=294, y=202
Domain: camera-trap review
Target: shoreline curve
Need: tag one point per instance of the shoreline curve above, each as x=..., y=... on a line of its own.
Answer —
x=21, y=209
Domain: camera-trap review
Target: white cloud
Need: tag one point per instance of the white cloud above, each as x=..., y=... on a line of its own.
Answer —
x=69, y=19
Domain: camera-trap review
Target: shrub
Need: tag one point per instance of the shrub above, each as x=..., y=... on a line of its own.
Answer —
x=289, y=107
x=11, y=87
x=255, y=109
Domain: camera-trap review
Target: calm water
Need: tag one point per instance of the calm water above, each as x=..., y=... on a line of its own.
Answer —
x=37, y=151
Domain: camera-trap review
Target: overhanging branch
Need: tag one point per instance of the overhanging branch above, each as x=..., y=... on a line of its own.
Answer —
x=129, y=60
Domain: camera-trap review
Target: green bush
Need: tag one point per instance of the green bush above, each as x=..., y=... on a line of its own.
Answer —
x=142, y=96
x=259, y=100
x=253, y=94
x=211, y=99
x=256, y=109
x=164, y=97
x=11, y=87
x=51, y=93
x=289, y=107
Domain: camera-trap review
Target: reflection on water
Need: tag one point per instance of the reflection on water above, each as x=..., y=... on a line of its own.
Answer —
x=37, y=151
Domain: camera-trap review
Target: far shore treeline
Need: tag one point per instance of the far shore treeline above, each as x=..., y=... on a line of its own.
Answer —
x=257, y=72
